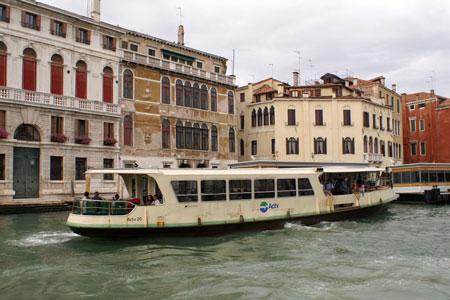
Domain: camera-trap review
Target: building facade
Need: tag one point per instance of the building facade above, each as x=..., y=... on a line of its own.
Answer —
x=59, y=104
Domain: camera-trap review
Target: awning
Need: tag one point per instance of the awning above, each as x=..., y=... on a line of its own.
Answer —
x=178, y=55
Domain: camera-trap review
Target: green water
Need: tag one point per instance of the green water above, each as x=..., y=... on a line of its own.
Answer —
x=404, y=254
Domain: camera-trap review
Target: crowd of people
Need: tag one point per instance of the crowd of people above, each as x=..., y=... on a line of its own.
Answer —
x=342, y=186
x=147, y=200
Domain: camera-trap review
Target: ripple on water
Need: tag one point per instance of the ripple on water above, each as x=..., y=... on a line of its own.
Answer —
x=43, y=238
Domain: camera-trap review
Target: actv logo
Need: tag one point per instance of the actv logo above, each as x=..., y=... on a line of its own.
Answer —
x=264, y=206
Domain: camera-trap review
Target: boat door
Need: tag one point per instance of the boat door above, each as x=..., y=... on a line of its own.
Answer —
x=26, y=172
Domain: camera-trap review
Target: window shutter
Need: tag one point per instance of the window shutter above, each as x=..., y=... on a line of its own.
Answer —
x=325, y=146
x=287, y=146
x=64, y=29
x=353, y=146
x=7, y=13
x=343, y=145
x=52, y=26
x=88, y=37
x=315, y=146
x=24, y=18
x=86, y=128
x=77, y=129
x=104, y=41
x=297, y=147
x=54, y=129
x=124, y=45
x=78, y=35
x=105, y=130
x=38, y=22
x=114, y=43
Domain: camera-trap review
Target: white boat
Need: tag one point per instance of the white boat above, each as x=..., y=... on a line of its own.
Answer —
x=212, y=201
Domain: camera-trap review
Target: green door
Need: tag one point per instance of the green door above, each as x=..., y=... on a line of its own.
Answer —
x=26, y=172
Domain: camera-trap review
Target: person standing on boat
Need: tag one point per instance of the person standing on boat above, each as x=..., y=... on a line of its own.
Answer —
x=328, y=187
x=97, y=203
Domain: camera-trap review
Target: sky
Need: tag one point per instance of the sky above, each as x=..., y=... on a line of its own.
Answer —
x=406, y=41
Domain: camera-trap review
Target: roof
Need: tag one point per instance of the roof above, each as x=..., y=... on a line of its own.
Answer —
x=423, y=96
x=264, y=89
x=261, y=81
x=420, y=165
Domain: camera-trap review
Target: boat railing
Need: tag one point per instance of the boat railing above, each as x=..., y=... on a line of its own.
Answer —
x=102, y=207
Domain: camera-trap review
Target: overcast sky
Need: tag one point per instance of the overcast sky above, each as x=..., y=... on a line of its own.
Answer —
x=407, y=41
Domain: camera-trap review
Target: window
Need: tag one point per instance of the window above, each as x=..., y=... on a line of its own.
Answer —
x=320, y=145
x=292, y=145
x=423, y=148
x=375, y=145
x=383, y=147
x=260, y=117
x=213, y=190
x=412, y=124
x=304, y=187
x=216, y=69
x=165, y=84
x=272, y=115
x=366, y=121
x=26, y=132
x=421, y=124
x=29, y=70
x=80, y=168
x=269, y=96
x=264, y=188
x=204, y=97
x=108, y=163
x=413, y=149
x=57, y=125
x=286, y=188
x=56, y=168
x=179, y=135
x=134, y=47
x=196, y=137
x=381, y=123
x=199, y=64
x=151, y=52
x=254, y=147
x=165, y=134
x=109, y=43
x=253, y=118
x=231, y=140
x=291, y=117
x=319, y=117
x=127, y=131
x=187, y=94
x=31, y=21
x=188, y=133
x=398, y=105
x=2, y=119
x=3, y=64
x=230, y=103
x=56, y=75
x=348, y=145
x=108, y=85
x=242, y=117
x=204, y=133
x=196, y=96
x=242, y=97
x=213, y=99
x=214, y=144
x=365, y=144
x=2, y=166
x=185, y=190
x=347, y=117
x=258, y=98
x=83, y=36
x=128, y=84
x=82, y=132
x=81, y=80
x=412, y=107
x=388, y=122
x=374, y=121
x=241, y=147
x=266, y=116
x=422, y=105
x=58, y=28
x=4, y=13
x=390, y=149
x=240, y=189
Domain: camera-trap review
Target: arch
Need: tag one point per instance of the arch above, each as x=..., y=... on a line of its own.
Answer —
x=184, y=164
x=231, y=140
x=179, y=135
x=128, y=131
x=272, y=115
x=29, y=70
x=241, y=147
x=127, y=84
x=165, y=90
x=214, y=144
x=375, y=146
x=3, y=64
x=260, y=117
x=204, y=97
x=81, y=80
x=213, y=99
x=27, y=132
x=365, y=144
x=230, y=102
x=108, y=87
x=165, y=128
x=179, y=92
x=187, y=94
x=196, y=96
x=370, y=145
x=197, y=136
x=253, y=118
x=204, y=137
x=266, y=116
x=188, y=135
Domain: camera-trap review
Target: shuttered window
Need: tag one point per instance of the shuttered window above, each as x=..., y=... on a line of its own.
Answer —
x=3, y=64
x=319, y=117
x=291, y=117
x=81, y=80
x=128, y=131
x=347, y=117
x=108, y=85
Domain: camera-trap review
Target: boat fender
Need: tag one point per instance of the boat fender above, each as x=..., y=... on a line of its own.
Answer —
x=199, y=221
x=241, y=218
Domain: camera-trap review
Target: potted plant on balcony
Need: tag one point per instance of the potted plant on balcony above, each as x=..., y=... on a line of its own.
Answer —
x=84, y=140
x=58, y=137
x=109, y=141
x=3, y=133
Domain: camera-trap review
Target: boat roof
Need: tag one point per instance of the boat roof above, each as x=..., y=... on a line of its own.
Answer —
x=243, y=171
x=420, y=165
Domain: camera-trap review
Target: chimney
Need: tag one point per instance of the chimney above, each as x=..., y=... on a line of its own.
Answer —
x=295, y=74
x=95, y=10
x=432, y=91
x=394, y=87
x=181, y=35
x=280, y=90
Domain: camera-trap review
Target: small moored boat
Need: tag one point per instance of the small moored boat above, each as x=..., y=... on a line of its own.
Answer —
x=182, y=202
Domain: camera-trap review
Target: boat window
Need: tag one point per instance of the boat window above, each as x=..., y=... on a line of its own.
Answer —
x=441, y=176
x=264, y=188
x=433, y=176
x=240, y=189
x=424, y=175
x=415, y=176
x=286, y=188
x=213, y=190
x=447, y=176
x=406, y=177
x=185, y=190
x=304, y=187
x=398, y=177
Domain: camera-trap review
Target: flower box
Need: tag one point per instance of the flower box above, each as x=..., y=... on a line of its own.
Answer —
x=84, y=140
x=3, y=133
x=109, y=141
x=58, y=137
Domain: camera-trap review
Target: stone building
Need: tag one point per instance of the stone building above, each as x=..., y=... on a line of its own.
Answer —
x=325, y=122
x=59, y=104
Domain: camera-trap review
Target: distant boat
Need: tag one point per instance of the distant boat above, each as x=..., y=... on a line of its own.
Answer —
x=191, y=202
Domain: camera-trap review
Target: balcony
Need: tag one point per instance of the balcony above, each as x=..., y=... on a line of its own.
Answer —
x=176, y=67
x=373, y=158
x=20, y=96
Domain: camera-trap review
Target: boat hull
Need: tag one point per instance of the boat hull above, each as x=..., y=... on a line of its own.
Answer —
x=199, y=230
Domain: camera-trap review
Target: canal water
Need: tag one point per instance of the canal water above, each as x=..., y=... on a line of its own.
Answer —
x=403, y=254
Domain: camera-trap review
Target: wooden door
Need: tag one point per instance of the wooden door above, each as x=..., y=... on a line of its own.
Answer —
x=26, y=172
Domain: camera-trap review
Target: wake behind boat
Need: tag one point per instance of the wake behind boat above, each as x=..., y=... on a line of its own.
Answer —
x=190, y=202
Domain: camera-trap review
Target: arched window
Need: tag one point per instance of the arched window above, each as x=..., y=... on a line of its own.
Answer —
x=166, y=134
x=260, y=117
x=214, y=144
x=266, y=116
x=272, y=115
x=128, y=131
x=370, y=145
x=365, y=144
x=241, y=147
x=165, y=86
x=204, y=97
x=320, y=145
x=26, y=132
x=29, y=70
x=179, y=135
x=348, y=145
x=187, y=94
x=196, y=96
x=81, y=80
x=179, y=92
x=56, y=75
x=188, y=135
x=232, y=140
x=292, y=145
x=204, y=137
x=253, y=118
x=230, y=103
x=213, y=99
x=128, y=84
x=196, y=136
x=108, y=85
x=375, y=144
x=3, y=64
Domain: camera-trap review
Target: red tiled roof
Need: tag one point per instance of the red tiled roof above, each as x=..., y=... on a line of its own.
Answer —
x=421, y=96
x=264, y=89
x=446, y=103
